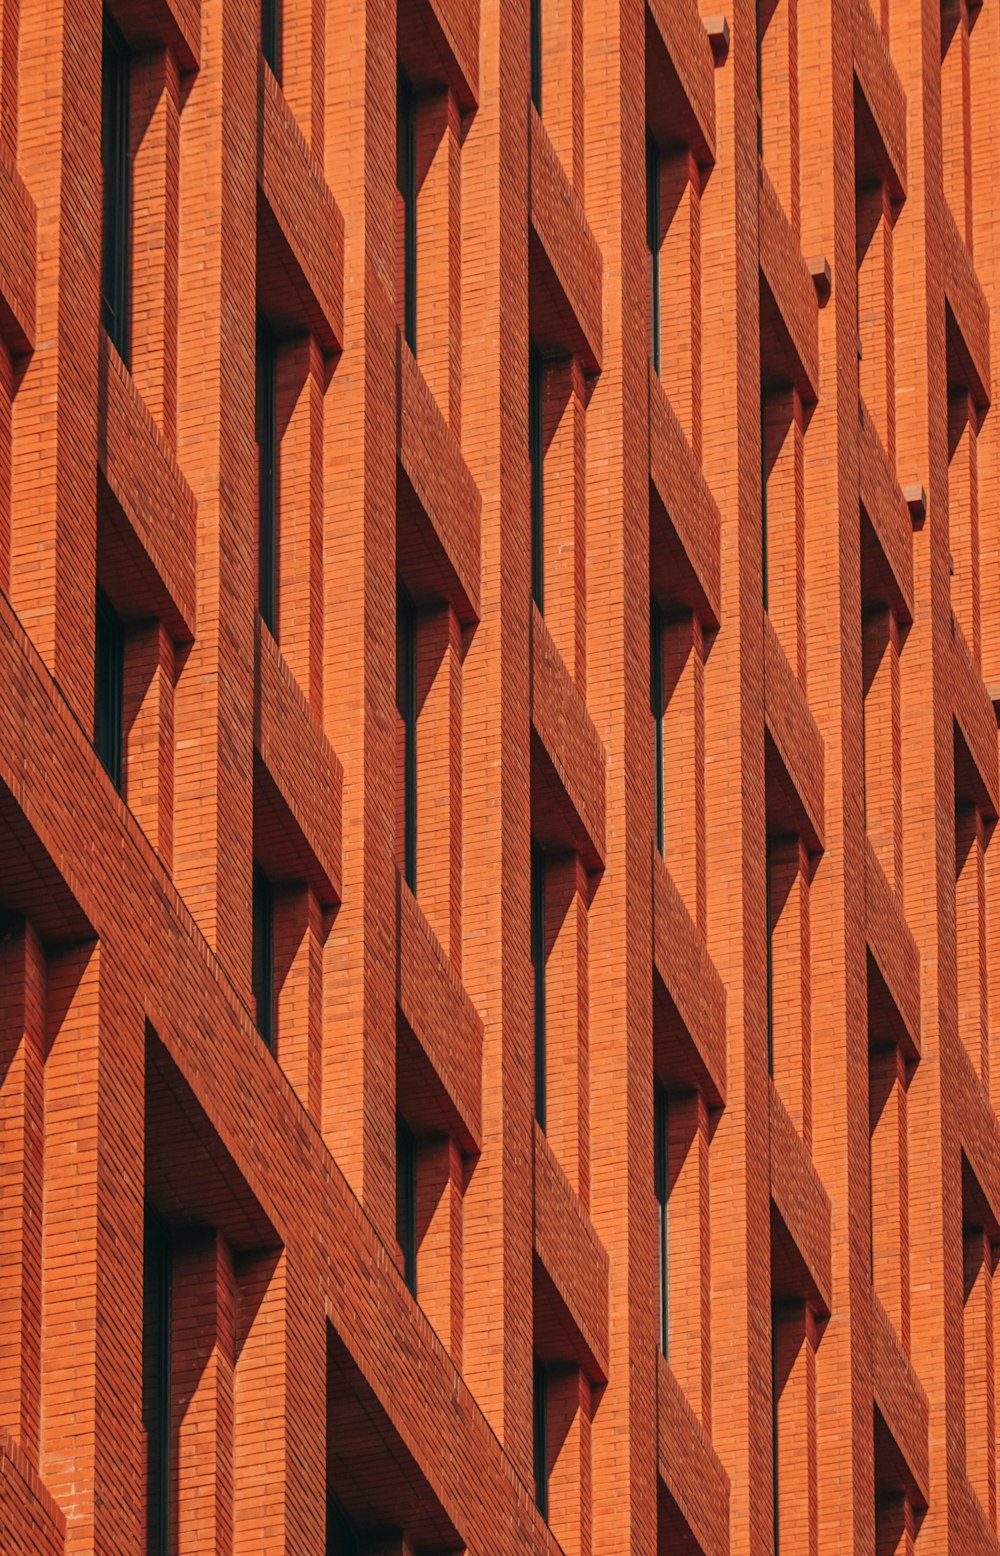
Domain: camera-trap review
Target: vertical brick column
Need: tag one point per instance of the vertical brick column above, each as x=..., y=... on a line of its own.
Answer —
x=155, y=131
x=980, y=1382
x=928, y=776
x=845, y=1468
x=619, y=926
x=780, y=100
x=876, y=371
x=202, y=1353
x=300, y=382
x=785, y=560
x=92, y=1252
x=22, y=1050
x=684, y=758
x=149, y=733
x=298, y=970
x=214, y=768
x=55, y=411
x=690, y=1253
x=680, y=289
x=569, y=1434
x=795, y=1414
x=970, y=937
x=566, y=1000
x=496, y=732
x=279, y=1444
x=883, y=741
x=439, y=251
x=440, y=1187
x=963, y=516
x=360, y=443
x=439, y=776
x=735, y=809
x=565, y=529
x=890, y=1222
x=791, y=993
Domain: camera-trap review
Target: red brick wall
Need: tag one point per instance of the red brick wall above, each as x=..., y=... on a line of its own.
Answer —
x=811, y=971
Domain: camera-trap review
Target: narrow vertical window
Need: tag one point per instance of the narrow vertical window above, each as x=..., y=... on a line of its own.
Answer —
x=535, y=458
x=769, y=968
x=116, y=164
x=263, y=955
x=406, y=1201
x=661, y=1169
x=760, y=82
x=657, y=700
x=536, y=53
x=774, y=1423
x=342, y=1537
x=109, y=687
x=653, y=243
x=270, y=35
x=763, y=494
x=406, y=183
x=406, y=704
x=541, y=1439
x=156, y=1298
x=538, y=964
x=267, y=468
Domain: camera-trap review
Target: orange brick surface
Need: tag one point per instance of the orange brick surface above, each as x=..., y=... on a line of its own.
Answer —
x=607, y=1159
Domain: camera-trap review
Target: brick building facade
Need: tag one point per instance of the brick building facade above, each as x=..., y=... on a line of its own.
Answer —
x=499, y=624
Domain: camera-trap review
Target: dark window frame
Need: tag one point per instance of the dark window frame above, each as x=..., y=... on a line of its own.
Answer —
x=535, y=46
x=540, y=1437
x=653, y=244
x=270, y=35
x=268, y=455
x=763, y=495
x=109, y=689
x=536, y=460
x=406, y=704
x=661, y=1180
x=406, y=1200
x=265, y=1003
x=406, y=183
x=658, y=707
x=156, y=1379
x=769, y=963
x=539, y=957
x=116, y=167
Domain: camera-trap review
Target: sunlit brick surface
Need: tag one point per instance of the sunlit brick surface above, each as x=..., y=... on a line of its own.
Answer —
x=510, y=1068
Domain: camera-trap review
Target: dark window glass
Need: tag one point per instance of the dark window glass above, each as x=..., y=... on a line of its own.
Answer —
x=263, y=955
x=769, y=968
x=536, y=460
x=774, y=1422
x=267, y=468
x=536, y=53
x=156, y=1296
x=116, y=165
x=109, y=687
x=653, y=244
x=406, y=704
x=270, y=35
x=657, y=701
x=760, y=82
x=406, y=183
x=763, y=493
x=541, y=1439
x=342, y=1538
x=661, y=1170
x=538, y=954
x=406, y=1200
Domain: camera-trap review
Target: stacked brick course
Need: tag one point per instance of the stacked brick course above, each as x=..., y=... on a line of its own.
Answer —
x=499, y=922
